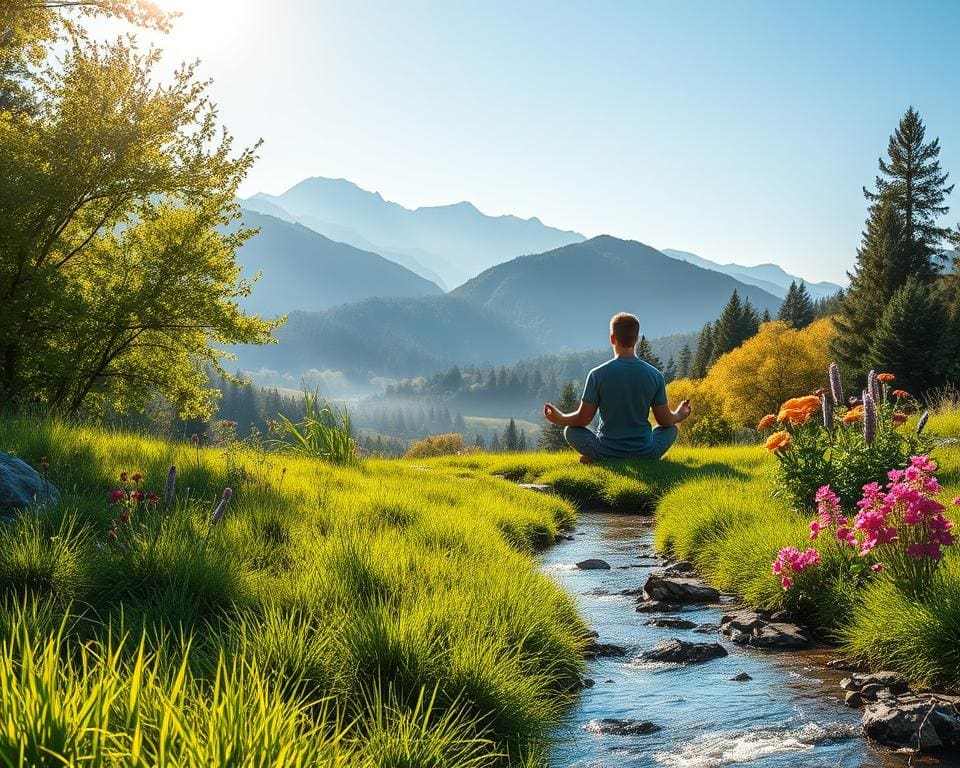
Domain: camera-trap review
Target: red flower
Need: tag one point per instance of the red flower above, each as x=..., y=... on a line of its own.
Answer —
x=124, y=517
x=153, y=498
x=117, y=495
x=137, y=495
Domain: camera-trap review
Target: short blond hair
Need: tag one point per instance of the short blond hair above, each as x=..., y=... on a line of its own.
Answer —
x=626, y=328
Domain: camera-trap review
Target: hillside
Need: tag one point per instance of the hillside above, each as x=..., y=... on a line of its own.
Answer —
x=449, y=243
x=770, y=277
x=303, y=270
x=564, y=298
x=389, y=337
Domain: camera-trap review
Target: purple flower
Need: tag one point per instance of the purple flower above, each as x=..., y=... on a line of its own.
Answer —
x=171, y=484
x=827, y=406
x=873, y=386
x=835, y=388
x=221, y=507
x=923, y=421
x=869, y=417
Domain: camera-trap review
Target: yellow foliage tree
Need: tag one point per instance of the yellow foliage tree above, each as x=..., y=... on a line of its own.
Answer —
x=778, y=363
x=707, y=424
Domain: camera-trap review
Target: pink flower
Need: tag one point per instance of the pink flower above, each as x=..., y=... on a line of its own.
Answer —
x=877, y=567
x=814, y=529
x=117, y=495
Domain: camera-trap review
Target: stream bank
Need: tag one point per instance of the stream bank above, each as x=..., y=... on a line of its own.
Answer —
x=751, y=707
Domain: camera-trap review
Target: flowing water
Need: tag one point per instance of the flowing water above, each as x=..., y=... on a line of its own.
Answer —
x=790, y=714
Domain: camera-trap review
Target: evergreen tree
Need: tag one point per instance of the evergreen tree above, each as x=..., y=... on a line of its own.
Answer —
x=738, y=322
x=684, y=362
x=495, y=444
x=551, y=435
x=797, y=308
x=828, y=305
x=522, y=442
x=645, y=352
x=670, y=370
x=901, y=343
x=511, y=438
x=480, y=442
x=912, y=181
x=875, y=278
x=765, y=317
x=701, y=361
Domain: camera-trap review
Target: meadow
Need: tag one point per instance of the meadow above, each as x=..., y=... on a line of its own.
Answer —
x=373, y=615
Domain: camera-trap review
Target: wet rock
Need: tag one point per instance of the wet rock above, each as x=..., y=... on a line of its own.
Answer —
x=562, y=537
x=538, y=487
x=750, y=628
x=870, y=683
x=853, y=699
x=707, y=629
x=917, y=722
x=593, y=564
x=614, y=726
x=683, y=652
x=671, y=622
x=780, y=616
x=653, y=606
x=846, y=665
x=741, y=678
x=595, y=650
x=679, y=589
x=21, y=485
x=682, y=568
x=587, y=682
x=637, y=592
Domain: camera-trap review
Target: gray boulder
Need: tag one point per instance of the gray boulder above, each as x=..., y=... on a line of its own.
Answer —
x=615, y=726
x=922, y=723
x=21, y=485
x=671, y=622
x=593, y=564
x=683, y=652
x=870, y=683
x=749, y=628
x=679, y=589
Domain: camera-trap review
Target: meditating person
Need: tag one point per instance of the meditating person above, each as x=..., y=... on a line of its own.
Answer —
x=624, y=390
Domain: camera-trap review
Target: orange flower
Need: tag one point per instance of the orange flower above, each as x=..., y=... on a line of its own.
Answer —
x=766, y=422
x=901, y=394
x=778, y=441
x=853, y=415
x=794, y=417
x=899, y=418
x=885, y=377
x=809, y=403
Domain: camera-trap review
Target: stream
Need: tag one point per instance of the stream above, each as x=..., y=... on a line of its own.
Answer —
x=790, y=714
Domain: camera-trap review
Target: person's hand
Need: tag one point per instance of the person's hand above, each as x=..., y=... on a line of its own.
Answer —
x=683, y=410
x=550, y=412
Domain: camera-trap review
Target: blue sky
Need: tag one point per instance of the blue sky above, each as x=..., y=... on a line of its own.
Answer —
x=738, y=130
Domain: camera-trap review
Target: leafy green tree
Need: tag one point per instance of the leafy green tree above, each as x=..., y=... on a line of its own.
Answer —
x=738, y=322
x=797, y=308
x=704, y=355
x=684, y=362
x=912, y=182
x=118, y=240
x=551, y=435
x=645, y=352
x=901, y=343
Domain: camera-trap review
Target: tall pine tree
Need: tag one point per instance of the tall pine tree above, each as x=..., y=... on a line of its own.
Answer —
x=670, y=370
x=645, y=352
x=551, y=435
x=737, y=323
x=701, y=360
x=797, y=307
x=684, y=362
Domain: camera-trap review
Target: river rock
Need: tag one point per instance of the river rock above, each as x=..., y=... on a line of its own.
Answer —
x=538, y=487
x=593, y=564
x=595, y=650
x=614, y=726
x=21, y=485
x=749, y=628
x=916, y=722
x=682, y=568
x=683, y=652
x=671, y=622
x=853, y=699
x=741, y=678
x=847, y=665
x=653, y=606
x=870, y=683
x=707, y=629
x=679, y=589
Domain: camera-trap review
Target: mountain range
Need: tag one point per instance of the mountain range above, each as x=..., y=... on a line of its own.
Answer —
x=447, y=244
x=771, y=277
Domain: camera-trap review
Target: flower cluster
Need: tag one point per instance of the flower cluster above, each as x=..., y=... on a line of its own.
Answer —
x=130, y=499
x=829, y=514
x=791, y=561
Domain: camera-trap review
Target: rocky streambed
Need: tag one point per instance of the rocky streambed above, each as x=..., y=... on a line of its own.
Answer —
x=678, y=675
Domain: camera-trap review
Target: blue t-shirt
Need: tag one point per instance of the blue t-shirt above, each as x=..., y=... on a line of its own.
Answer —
x=624, y=389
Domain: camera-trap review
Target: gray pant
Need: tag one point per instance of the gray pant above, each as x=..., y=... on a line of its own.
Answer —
x=587, y=443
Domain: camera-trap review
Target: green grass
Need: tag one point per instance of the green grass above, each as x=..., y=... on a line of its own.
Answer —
x=375, y=615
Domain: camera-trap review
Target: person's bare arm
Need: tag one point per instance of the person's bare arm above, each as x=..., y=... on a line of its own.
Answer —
x=578, y=418
x=667, y=418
